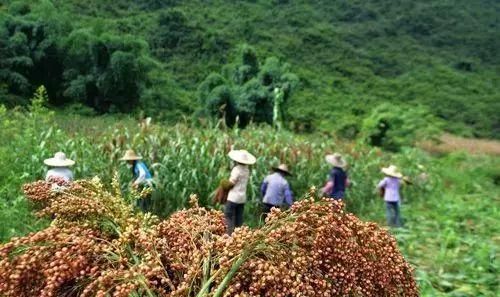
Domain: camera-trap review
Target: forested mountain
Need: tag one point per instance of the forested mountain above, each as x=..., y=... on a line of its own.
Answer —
x=348, y=57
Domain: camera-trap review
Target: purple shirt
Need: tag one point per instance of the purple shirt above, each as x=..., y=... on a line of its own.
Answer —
x=276, y=190
x=391, y=186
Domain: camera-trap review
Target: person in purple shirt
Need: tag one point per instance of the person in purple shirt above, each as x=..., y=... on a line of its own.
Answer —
x=390, y=186
x=275, y=190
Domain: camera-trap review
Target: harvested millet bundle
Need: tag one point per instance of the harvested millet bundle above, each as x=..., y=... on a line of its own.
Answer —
x=98, y=246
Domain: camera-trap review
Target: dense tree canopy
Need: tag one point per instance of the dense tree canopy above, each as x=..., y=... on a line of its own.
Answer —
x=350, y=56
x=104, y=71
x=245, y=91
x=41, y=47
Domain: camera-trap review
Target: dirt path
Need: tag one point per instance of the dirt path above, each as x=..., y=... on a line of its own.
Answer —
x=451, y=143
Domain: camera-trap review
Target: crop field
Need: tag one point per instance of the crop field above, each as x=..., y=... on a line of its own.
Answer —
x=450, y=212
x=185, y=86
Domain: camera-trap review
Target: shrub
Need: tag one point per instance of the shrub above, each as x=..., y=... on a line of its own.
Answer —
x=248, y=91
x=393, y=127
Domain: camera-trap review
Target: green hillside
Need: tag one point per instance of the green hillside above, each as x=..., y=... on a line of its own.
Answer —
x=350, y=56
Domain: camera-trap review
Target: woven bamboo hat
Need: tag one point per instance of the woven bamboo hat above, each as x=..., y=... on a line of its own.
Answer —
x=336, y=160
x=282, y=168
x=130, y=155
x=392, y=171
x=242, y=156
x=59, y=160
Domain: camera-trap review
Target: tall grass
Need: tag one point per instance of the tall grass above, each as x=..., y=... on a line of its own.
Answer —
x=186, y=160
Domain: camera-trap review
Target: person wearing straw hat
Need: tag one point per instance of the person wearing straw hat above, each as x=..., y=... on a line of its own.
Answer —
x=60, y=167
x=236, y=197
x=275, y=190
x=338, y=180
x=141, y=173
x=390, y=186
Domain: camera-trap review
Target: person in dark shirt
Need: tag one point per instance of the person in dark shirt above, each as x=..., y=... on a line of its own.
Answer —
x=337, y=181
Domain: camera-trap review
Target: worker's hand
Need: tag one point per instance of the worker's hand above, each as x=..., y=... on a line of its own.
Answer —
x=135, y=186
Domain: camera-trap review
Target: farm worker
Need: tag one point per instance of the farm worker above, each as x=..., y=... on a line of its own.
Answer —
x=275, y=189
x=337, y=180
x=142, y=176
x=60, y=167
x=389, y=187
x=236, y=197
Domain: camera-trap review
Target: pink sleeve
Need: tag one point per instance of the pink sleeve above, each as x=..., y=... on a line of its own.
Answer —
x=328, y=187
x=382, y=183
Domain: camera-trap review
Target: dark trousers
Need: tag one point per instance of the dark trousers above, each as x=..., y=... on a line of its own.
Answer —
x=266, y=209
x=338, y=195
x=234, y=215
x=393, y=215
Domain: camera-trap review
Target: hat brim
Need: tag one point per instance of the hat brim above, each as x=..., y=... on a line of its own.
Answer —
x=131, y=158
x=52, y=162
x=332, y=161
x=390, y=173
x=237, y=157
x=281, y=170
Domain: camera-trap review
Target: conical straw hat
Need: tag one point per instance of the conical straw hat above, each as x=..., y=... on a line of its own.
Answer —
x=59, y=160
x=242, y=156
x=336, y=160
x=392, y=171
x=283, y=168
x=130, y=155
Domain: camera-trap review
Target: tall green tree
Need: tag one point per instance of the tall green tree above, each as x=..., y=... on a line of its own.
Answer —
x=244, y=92
x=29, y=49
x=106, y=72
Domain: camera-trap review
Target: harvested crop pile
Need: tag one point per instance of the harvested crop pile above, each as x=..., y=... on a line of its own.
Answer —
x=98, y=246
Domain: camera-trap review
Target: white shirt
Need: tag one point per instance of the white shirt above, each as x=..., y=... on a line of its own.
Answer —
x=61, y=172
x=239, y=177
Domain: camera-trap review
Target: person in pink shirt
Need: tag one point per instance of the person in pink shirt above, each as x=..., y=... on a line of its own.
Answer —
x=390, y=187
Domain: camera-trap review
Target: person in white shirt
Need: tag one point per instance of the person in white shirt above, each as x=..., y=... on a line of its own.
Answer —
x=236, y=198
x=60, y=167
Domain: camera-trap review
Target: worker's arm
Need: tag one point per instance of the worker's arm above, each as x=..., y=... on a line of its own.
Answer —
x=382, y=183
x=327, y=189
x=288, y=195
x=263, y=188
x=235, y=175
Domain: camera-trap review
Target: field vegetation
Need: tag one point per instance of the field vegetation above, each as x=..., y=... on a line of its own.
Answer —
x=410, y=83
x=450, y=211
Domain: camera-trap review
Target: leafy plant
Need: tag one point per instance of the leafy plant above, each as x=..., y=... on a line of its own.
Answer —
x=393, y=127
x=247, y=91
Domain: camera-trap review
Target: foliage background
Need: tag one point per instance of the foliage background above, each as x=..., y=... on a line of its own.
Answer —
x=415, y=65
x=350, y=56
